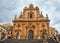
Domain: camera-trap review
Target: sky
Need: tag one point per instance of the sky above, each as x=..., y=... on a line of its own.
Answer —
x=10, y=8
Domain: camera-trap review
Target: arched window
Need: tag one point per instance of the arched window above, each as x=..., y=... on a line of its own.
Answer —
x=30, y=15
x=18, y=25
x=43, y=25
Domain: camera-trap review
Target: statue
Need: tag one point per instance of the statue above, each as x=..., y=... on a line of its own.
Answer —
x=47, y=15
x=41, y=14
x=15, y=17
x=18, y=32
x=44, y=36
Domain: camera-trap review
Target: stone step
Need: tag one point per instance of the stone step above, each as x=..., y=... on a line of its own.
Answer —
x=26, y=41
x=22, y=41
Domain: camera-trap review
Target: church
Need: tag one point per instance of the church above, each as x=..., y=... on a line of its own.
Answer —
x=31, y=24
x=30, y=27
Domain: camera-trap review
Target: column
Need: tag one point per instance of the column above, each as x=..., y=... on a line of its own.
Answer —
x=18, y=35
x=39, y=35
x=45, y=37
x=0, y=35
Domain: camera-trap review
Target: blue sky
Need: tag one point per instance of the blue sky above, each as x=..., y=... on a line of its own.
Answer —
x=10, y=8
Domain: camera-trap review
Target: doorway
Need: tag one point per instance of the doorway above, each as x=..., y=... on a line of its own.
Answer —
x=30, y=34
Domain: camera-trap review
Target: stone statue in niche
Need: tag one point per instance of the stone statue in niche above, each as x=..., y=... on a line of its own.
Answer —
x=45, y=36
x=18, y=34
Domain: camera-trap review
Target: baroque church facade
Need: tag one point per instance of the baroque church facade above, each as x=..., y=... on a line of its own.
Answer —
x=31, y=24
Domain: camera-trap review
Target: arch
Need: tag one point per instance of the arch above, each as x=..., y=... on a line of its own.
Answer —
x=30, y=34
x=18, y=34
x=30, y=15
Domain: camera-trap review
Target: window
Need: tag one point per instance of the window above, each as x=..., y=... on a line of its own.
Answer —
x=18, y=25
x=11, y=32
x=43, y=25
x=14, y=24
x=30, y=15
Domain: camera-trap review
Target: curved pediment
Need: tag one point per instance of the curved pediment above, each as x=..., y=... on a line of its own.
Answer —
x=31, y=13
x=30, y=26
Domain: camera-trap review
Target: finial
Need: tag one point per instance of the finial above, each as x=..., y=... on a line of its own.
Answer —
x=31, y=5
x=25, y=8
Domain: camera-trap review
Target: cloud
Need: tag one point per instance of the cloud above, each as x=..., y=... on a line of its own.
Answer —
x=58, y=1
x=9, y=8
x=57, y=26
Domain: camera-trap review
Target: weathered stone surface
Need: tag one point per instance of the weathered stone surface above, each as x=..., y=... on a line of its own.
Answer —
x=28, y=41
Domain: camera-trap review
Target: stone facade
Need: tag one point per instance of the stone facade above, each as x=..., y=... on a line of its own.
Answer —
x=31, y=22
x=5, y=31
